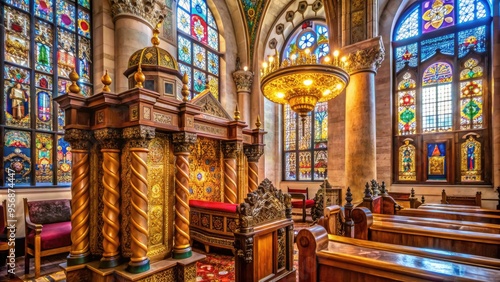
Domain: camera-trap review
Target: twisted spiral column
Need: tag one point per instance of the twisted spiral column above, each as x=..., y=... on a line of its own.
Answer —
x=139, y=261
x=253, y=176
x=253, y=153
x=80, y=208
x=230, y=181
x=182, y=247
x=111, y=212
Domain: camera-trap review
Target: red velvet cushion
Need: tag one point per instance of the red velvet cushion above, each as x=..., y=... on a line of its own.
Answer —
x=54, y=235
x=216, y=206
x=298, y=203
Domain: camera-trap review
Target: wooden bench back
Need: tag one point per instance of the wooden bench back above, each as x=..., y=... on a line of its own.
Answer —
x=453, y=215
x=461, y=200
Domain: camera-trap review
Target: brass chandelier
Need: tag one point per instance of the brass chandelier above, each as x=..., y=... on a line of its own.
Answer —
x=302, y=80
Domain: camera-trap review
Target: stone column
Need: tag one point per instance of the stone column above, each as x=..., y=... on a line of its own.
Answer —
x=363, y=59
x=243, y=80
x=253, y=153
x=138, y=138
x=134, y=22
x=110, y=148
x=182, y=142
x=230, y=150
x=80, y=196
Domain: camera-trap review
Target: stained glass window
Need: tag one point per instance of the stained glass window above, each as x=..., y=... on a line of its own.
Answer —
x=198, y=46
x=40, y=50
x=310, y=35
x=441, y=50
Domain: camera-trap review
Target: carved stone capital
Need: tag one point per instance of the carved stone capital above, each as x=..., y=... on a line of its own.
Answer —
x=182, y=141
x=152, y=11
x=230, y=149
x=139, y=136
x=365, y=56
x=243, y=80
x=253, y=152
x=109, y=138
x=78, y=138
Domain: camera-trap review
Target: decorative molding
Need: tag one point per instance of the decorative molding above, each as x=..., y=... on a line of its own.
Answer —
x=182, y=141
x=100, y=116
x=243, y=80
x=253, y=152
x=210, y=105
x=134, y=112
x=263, y=205
x=220, y=131
x=365, y=58
x=78, y=138
x=152, y=11
x=162, y=118
x=109, y=138
x=147, y=113
x=230, y=149
x=139, y=136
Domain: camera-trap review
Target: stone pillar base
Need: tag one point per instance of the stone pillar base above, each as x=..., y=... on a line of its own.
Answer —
x=182, y=253
x=107, y=262
x=78, y=259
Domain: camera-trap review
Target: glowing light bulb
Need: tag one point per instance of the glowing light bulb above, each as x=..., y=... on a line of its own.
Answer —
x=271, y=59
x=308, y=82
x=339, y=86
x=336, y=53
x=293, y=57
x=343, y=59
x=245, y=68
x=264, y=64
x=307, y=51
x=327, y=92
x=280, y=95
x=327, y=59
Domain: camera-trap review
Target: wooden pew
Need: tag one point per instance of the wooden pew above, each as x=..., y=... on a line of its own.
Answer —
x=460, y=208
x=460, y=199
x=321, y=259
x=453, y=215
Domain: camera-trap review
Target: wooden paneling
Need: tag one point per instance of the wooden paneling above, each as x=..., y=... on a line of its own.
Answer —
x=265, y=254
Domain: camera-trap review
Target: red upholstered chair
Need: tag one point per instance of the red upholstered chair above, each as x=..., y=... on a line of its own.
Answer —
x=48, y=230
x=300, y=200
x=4, y=247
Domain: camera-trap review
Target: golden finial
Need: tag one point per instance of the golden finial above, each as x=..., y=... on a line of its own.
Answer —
x=139, y=77
x=185, y=88
x=106, y=80
x=237, y=113
x=155, y=39
x=74, y=88
x=258, y=123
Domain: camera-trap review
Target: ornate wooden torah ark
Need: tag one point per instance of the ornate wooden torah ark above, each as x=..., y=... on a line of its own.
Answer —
x=136, y=163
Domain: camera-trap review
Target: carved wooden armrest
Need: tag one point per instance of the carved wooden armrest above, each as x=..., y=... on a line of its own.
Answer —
x=35, y=226
x=301, y=196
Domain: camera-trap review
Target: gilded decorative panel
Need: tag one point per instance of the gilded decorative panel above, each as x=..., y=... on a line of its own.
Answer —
x=471, y=160
x=96, y=206
x=125, y=200
x=205, y=165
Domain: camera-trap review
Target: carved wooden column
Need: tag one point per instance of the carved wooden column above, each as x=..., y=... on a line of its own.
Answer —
x=360, y=138
x=110, y=140
x=182, y=246
x=80, y=196
x=243, y=80
x=230, y=150
x=253, y=153
x=138, y=138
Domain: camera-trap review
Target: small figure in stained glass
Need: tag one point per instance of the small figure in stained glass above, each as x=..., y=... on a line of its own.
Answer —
x=18, y=97
x=407, y=160
x=471, y=161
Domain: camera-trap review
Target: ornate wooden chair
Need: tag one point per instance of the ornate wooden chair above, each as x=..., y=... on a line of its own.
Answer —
x=48, y=230
x=4, y=247
x=300, y=200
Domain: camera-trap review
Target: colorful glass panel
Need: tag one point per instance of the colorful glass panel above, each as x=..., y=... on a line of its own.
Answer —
x=63, y=86
x=213, y=63
x=407, y=122
x=407, y=170
x=407, y=82
x=84, y=3
x=290, y=166
x=66, y=15
x=17, y=104
x=472, y=39
x=471, y=70
x=183, y=21
x=17, y=36
x=84, y=60
x=445, y=44
x=43, y=47
x=21, y=4
x=199, y=29
x=60, y=120
x=470, y=10
x=406, y=54
x=64, y=160
x=16, y=74
x=83, y=23
x=471, y=88
x=409, y=26
x=43, y=109
x=437, y=14
x=321, y=125
x=470, y=160
x=471, y=113
x=199, y=80
x=307, y=40
x=186, y=69
x=43, y=166
x=66, y=57
x=439, y=72
x=320, y=164
x=436, y=161
x=211, y=20
x=43, y=81
x=305, y=132
x=305, y=169
x=85, y=90
x=200, y=57
x=213, y=84
x=17, y=156
x=184, y=50
x=184, y=4
x=43, y=9
x=444, y=107
x=290, y=127
x=199, y=8
x=213, y=38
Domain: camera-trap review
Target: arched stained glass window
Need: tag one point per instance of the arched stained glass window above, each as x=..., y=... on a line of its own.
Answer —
x=305, y=154
x=198, y=46
x=440, y=56
x=43, y=40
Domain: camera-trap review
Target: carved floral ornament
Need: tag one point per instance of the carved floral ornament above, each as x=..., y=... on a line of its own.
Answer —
x=243, y=80
x=365, y=59
x=153, y=11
